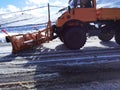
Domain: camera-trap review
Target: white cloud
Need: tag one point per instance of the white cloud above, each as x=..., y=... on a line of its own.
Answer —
x=29, y=4
x=104, y=5
x=57, y=3
x=108, y=3
x=12, y=8
x=36, y=12
x=9, y=8
x=36, y=2
x=2, y=10
x=42, y=12
x=60, y=3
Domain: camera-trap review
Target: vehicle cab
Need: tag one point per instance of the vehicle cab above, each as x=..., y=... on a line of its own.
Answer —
x=81, y=3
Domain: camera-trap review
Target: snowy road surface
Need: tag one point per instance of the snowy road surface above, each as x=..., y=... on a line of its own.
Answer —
x=52, y=66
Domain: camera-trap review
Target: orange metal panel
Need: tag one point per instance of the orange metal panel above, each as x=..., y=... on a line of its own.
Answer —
x=82, y=14
x=109, y=14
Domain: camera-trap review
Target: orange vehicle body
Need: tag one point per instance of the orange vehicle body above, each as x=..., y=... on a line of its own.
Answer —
x=73, y=25
x=89, y=15
x=108, y=14
x=82, y=14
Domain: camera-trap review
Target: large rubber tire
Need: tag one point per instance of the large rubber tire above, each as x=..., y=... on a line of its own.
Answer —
x=75, y=38
x=117, y=33
x=61, y=39
x=106, y=36
x=117, y=37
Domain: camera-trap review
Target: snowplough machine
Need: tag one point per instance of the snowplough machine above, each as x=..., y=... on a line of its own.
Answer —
x=80, y=20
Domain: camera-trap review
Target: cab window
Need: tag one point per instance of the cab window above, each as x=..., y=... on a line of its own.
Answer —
x=81, y=3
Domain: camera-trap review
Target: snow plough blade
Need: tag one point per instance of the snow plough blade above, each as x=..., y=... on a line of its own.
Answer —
x=22, y=42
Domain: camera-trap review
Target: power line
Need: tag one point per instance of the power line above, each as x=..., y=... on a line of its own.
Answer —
x=56, y=6
x=23, y=10
x=16, y=21
x=31, y=9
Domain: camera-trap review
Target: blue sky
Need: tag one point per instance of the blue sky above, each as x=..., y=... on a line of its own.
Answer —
x=23, y=3
x=19, y=5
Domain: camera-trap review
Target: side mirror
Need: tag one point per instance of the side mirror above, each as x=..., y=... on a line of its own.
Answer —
x=69, y=9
